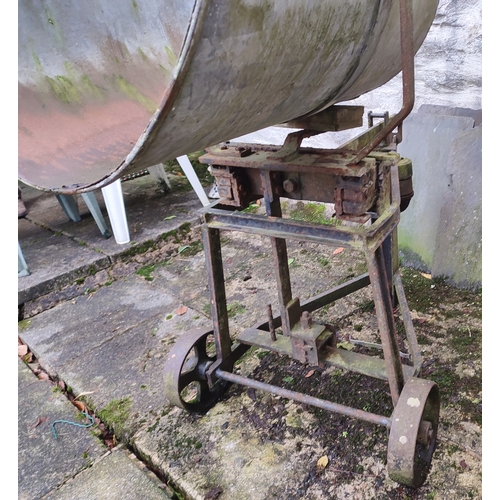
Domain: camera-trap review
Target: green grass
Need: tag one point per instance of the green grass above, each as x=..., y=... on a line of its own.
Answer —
x=311, y=212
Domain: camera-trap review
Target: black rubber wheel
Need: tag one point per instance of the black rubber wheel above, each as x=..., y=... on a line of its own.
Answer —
x=413, y=434
x=185, y=382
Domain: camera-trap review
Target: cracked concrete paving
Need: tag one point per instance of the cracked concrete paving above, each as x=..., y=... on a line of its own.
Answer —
x=110, y=344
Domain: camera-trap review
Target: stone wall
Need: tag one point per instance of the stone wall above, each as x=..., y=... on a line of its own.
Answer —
x=448, y=65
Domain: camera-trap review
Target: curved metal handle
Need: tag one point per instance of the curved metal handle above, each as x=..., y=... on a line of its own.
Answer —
x=408, y=69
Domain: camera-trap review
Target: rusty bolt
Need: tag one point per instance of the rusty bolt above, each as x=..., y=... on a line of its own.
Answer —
x=244, y=151
x=306, y=320
x=291, y=185
x=425, y=433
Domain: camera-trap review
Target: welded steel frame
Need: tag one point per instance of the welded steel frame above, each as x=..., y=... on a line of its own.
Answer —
x=375, y=240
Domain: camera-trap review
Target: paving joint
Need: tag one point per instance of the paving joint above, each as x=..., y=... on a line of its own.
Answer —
x=104, y=434
x=127, y=257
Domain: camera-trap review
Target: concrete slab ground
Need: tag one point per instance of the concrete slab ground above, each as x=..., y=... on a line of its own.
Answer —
x=45, y=461
x=59, y=251
x=72, y=463
x=105, y=337
x=118, y=475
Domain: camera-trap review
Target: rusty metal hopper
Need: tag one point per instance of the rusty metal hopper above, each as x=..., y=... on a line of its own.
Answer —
x=107, y=88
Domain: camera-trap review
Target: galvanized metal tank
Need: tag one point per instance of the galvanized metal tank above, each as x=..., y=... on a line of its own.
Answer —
x=108, y=88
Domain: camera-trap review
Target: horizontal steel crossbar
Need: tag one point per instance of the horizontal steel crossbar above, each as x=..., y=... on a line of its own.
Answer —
x=277, y=227
x=304, y=398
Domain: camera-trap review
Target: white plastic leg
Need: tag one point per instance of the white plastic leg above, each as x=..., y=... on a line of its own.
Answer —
x=113, y=198
x=189, y=172
x=157, y=172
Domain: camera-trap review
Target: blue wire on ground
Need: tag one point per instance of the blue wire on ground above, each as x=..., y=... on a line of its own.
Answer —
x=71, y=423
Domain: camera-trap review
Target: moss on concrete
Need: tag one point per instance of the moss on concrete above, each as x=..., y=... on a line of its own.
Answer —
x=116, y=414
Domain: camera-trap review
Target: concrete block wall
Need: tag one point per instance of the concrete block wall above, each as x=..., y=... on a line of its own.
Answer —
x=441, y=230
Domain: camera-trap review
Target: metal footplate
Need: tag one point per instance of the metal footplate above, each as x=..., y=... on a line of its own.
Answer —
x=304, y=344
x=328, y=354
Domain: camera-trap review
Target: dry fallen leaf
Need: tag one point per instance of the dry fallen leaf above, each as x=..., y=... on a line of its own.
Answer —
x=428, y=276
x=310, y=373
x=22, y=350
x=338, y=250
x=81, y=406
x=43, y=376
x=39, y=420
x=181, y=310
x=322, y=462
x=84, y=394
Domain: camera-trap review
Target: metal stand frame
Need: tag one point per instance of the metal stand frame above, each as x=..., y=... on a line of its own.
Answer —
x=364, y=185
x=368, y=190
x=302, y=339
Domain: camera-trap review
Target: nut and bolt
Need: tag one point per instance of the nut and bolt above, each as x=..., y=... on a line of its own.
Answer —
x=306, y=320
x=425, y=433
x=291, y=185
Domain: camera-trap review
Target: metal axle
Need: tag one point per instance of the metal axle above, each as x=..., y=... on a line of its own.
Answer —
x=304, y=398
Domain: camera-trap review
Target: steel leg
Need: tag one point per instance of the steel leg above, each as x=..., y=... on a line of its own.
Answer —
x=385, y=318
x=290, y=311
x=218, y=303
